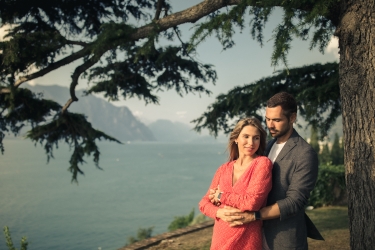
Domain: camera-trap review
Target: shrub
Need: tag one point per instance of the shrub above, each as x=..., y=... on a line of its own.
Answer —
x=181, y=221
x=330, y=187
x=9, y=240
x=143, y=233
x=199, y=219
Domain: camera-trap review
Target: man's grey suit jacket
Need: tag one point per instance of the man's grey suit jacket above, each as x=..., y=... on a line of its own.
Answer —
x=294, y=174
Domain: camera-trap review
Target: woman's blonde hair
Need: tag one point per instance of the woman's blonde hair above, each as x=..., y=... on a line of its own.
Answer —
x=232, y=146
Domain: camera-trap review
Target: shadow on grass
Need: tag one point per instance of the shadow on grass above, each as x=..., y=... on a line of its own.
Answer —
x=329, y=218
x=333, y=224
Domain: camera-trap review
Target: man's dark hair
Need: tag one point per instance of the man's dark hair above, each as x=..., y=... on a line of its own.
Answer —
x=286, y=101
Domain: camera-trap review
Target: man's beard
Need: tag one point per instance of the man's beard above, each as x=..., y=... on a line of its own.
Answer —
x=279, y=133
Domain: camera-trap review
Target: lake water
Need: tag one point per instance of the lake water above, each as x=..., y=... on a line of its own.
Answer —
x=141, y=185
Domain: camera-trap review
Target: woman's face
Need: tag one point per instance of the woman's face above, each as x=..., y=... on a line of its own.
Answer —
x=248, y=141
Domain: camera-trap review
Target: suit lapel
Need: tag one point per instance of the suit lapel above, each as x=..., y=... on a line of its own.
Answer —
x=289, y=145
x=312, y=231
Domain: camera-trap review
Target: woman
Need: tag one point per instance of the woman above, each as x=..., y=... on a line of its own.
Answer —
x=243, y=182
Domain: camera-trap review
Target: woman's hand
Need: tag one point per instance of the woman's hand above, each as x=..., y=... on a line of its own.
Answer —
x=213, y=196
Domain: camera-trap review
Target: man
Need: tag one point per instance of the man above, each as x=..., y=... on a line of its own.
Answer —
x=295, y=170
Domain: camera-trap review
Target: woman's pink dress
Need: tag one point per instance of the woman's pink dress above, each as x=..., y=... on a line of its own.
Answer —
x=248, y=193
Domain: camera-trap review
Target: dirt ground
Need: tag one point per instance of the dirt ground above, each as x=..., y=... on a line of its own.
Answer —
x=200, y=240
x=332, y=223
x=196, y=240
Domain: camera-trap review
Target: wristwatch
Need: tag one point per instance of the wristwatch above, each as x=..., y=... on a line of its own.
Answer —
x=219, y=196
x=257, y=215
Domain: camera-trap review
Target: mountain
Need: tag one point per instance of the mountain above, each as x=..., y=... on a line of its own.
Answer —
x=168, y=131
x=118, y=122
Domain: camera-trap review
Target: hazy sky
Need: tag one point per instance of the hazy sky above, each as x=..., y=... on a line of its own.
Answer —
x=244, y=63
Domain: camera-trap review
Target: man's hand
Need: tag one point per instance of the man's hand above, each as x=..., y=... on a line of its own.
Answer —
x=240, y=218
x=234, y=216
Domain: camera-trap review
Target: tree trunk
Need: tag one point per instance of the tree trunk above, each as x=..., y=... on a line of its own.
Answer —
x=356, y=32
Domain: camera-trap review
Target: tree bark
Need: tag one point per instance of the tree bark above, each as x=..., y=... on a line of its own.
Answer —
x=356, y=32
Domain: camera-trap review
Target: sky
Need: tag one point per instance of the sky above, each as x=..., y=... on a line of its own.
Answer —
x=246, y=62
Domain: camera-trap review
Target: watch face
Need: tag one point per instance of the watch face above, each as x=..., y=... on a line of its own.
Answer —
x=257, y=215
x=219, y=196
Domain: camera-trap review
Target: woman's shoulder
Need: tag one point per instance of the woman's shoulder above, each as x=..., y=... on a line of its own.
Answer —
x=264, y=160
x=226, y=165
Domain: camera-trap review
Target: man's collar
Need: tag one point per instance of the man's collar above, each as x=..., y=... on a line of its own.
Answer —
x=294, y=137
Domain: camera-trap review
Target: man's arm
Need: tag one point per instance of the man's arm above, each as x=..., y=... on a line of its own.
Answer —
x=296, y=197
x=236, y=217
x=270, y=212
x=256, y=193
x=301, y=184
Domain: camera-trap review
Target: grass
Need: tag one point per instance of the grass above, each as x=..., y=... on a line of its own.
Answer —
x=332, y=223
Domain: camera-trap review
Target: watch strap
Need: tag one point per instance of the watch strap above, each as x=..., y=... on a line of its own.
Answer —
x=257, y=215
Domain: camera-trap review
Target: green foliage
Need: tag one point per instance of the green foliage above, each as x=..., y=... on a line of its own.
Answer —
x=9, y=241
x=337, y=151
x=42, y=31
x=49, y=126
x=335, y=156
x=21, y=107
x=222, y=25
x=169, y=65
x=330, y=185
x=178, y=222
x=314, y=140
x=117, y=45
x=77, y=16
x=181, y=221
x=38, y=46
x=74, y=130
x=309, y=85
x=300, y=18
x=143, y=233
x=42, y=37
x=325, y=155
x=200, y=218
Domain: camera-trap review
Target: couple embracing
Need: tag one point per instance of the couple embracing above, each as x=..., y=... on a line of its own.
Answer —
x=258, y=197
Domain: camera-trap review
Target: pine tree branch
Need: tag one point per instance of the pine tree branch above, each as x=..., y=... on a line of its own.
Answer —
x=196, y=12
x=83, y=44
x=53, y=66
x=158, y=9
x=77, y=73
x=191, y=15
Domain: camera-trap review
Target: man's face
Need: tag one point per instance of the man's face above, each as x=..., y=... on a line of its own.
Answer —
x=278, y=124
